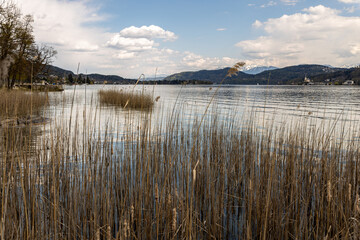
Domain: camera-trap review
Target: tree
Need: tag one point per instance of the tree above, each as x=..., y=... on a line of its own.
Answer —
x=70, y=78
x=79, y=80
x=41, y=58
x=9, y=22
x=20, y=56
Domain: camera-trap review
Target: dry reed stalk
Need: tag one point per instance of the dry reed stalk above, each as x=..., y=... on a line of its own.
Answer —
x=134, y=100
x=179, y=180
x=16, y=103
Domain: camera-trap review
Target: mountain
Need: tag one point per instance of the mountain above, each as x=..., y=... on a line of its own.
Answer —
x=258, y=69
x=293, y=74
x=52, y=70
x=214, y=76
x=109, y=78
x=287, y=75
x=59, y=72
x=350, y=65
x=340, y=76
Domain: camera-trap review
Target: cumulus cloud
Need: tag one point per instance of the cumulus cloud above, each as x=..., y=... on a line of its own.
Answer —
x=316, y=35
x=61, y=23
x=130, y=44
x=193, y=61
x=148, y=32
x=139, y=38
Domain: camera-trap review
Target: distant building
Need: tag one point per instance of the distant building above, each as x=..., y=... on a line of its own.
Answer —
x=307, y=81
x=349, y=82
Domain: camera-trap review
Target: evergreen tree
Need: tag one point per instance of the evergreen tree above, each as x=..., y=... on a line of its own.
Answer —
x=70, y=78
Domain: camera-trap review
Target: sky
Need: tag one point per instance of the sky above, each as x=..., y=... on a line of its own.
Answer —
x=161, y=37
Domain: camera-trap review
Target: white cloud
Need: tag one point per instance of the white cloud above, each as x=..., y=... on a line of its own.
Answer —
x=290, y=2
x=257, y=24
x=130, y=44
x=221, y=29
x=124, y=55
x=61, y=23
x=317, y=35
x=85, y=46
x=139, y=38
x=269, y=4
x=349, y=1
x=149, y=32
x=194, y=61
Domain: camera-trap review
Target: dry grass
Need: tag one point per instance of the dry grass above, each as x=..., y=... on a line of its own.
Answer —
x=172, y=183
x=17, y=103
x=134, y=100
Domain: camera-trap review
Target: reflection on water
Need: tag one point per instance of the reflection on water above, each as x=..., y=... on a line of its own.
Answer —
x=316, y=105
x=18, y=140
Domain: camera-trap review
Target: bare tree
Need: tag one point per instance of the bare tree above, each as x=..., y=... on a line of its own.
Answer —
x=20, y=57
x=25, y=39
x=41, y=58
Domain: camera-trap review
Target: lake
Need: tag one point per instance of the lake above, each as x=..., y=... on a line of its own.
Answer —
x=325, y=106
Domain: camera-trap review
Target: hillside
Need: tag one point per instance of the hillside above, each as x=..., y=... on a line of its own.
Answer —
x=287, y=75
x=340, y=76
x=110, y=79
x=293, y=74
x=214, y=76
x=59, y=72
x=257, y=70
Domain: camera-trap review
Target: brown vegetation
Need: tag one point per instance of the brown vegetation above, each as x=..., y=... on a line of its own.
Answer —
x=126, y=99
x=14, y=103
x=172, y=183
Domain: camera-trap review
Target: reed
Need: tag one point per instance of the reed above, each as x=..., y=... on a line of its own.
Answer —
x=17, y=103
x=129, y=99
x=178, y=180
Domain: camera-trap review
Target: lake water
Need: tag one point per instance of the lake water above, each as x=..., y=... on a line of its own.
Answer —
x=317, y=106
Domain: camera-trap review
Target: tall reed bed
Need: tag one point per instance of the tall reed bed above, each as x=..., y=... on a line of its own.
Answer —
x=180, y=180
x=131, y=99
x=17, y=103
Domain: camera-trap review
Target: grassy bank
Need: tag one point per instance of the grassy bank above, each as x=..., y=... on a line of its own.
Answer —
x=129, y=99
x=181, y=181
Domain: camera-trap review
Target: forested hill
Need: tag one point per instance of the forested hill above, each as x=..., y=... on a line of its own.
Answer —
x=287, y=75
x=59, y=72
x=340, y=76
x=52, y=70
x=214, y=76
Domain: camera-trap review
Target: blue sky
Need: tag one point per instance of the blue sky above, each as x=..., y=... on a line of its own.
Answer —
x=130, y=37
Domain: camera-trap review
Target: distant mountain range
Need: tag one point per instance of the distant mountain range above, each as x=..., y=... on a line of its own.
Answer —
x=257, y=75
x=287, y=75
